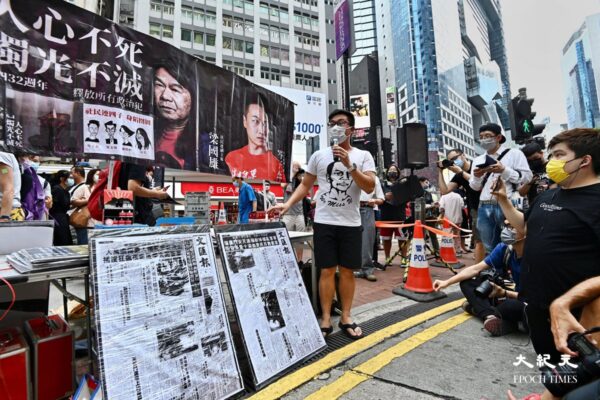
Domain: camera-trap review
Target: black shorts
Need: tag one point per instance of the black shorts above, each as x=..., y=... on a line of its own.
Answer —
x=337, y=246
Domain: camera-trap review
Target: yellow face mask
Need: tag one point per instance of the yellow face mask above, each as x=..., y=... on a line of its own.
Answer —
x=556, y=170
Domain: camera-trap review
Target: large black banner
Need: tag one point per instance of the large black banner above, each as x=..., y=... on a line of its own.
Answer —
x=75, y=84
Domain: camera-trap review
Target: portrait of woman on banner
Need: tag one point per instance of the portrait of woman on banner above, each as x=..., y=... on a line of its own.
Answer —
x=175, y=113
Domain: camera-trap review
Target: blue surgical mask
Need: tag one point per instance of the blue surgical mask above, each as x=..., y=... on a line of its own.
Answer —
x=236, y=183
x=459, y=162
x=34, y=165
x=70, y=182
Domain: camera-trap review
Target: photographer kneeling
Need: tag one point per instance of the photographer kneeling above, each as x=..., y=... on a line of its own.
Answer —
x=483, y=285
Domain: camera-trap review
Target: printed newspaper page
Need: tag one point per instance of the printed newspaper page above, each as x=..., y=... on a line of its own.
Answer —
x=162, y=326
x=278, y=324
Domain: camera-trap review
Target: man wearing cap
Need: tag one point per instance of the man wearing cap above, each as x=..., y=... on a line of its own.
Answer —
x=540, y=181
x=511, y=165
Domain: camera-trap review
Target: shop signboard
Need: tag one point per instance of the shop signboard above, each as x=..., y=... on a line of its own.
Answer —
x=74, y=84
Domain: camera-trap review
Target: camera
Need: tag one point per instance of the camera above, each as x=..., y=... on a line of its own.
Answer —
x=485, y=288
x=562, y=379
x=447, y=163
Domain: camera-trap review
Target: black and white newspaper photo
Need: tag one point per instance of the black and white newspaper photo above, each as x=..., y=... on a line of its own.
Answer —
x=163, y=331
x=278, y=324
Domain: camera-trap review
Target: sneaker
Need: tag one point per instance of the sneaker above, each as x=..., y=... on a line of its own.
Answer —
x=405, y=262
x=371, y=278
x=467, y=307
x=493, y=325
x=379, y=266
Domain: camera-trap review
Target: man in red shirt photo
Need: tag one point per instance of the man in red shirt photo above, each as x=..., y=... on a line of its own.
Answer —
x=255, y=160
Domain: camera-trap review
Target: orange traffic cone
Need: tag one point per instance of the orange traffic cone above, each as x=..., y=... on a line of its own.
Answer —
x=447, y=252
x=222, y=220
x=418, y=285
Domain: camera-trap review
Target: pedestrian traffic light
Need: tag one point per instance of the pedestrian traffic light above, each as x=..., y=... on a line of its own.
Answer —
x=521, y=118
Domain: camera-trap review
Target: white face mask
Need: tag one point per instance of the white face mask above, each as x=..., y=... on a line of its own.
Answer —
x=337, y=132
x=96, y=178
x=488, y=144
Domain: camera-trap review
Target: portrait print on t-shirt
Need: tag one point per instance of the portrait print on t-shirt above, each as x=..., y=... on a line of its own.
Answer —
x=340, y=182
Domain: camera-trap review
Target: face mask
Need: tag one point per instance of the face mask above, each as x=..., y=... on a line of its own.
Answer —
x=34, y=165
x=536, y=165
x=488, y=144
x=459, y=162
x=508, y=236
x=236, y=183
x=392, y=176
x=337, y=132
x=556, y=170
x=70, y=182
x=96, y=178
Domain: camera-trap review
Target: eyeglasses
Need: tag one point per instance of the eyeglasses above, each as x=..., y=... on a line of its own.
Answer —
x=342, y=123
x=491, y=136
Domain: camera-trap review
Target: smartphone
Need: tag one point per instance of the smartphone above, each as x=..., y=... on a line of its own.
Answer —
x=489, y=161
x=496, y=185
x=166, y=188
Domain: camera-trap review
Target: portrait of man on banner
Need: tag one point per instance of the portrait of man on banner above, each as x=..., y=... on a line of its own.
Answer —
x=256, y=159
x=175, y=114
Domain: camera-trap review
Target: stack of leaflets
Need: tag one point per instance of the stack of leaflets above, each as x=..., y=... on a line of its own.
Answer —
x=47, y=258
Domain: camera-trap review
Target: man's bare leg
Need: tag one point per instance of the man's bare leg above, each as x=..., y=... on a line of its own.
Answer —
x=327, y=291
x=347, y=285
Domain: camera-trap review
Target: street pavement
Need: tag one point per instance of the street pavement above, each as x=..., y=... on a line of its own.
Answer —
x=446, y=356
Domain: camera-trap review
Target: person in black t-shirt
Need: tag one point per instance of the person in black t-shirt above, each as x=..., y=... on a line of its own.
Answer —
x=133, y=177
x=392, y=210
x=462, y=168
x=540, y=181
x=562, y=247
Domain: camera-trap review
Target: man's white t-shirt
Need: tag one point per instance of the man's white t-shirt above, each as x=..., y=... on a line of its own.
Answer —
x=452, y=203
x=338, y=197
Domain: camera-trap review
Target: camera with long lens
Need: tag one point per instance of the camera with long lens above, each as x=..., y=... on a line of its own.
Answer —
x=447, y=163
x=485, y=288
x=562, y=379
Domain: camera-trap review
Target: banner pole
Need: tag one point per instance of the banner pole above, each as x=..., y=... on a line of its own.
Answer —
x=265, y=201
x=111, y=171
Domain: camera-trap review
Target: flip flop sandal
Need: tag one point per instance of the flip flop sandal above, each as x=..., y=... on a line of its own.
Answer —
x=353, y=326
x=326, y=330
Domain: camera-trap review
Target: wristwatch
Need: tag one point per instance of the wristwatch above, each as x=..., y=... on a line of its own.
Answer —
x=352, y=168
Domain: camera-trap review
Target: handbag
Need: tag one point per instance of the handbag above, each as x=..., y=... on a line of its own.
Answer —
x=80, y=217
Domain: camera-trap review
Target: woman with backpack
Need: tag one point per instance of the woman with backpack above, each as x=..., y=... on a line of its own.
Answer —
x=61, y=202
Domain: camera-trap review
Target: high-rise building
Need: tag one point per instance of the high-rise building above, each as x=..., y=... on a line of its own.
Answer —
x=365, y=30
x=450, y=67
x=283, y=43
x=581, y=74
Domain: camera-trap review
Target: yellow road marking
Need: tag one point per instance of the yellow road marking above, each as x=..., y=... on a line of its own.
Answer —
x=363, y=372
x=303, y=375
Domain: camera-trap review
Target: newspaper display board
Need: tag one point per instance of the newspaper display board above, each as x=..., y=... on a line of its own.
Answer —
x=161, y=322
x=278, y=325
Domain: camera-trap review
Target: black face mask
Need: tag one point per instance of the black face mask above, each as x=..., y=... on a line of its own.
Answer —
x=392, y=176
x=537, y=165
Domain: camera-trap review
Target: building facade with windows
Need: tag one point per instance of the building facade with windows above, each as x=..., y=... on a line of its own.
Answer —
x=282, y=43
x=581, y=75
x=449, y=68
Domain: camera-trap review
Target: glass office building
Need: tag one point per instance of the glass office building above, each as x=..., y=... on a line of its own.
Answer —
x=449, y=68
x=581, y=76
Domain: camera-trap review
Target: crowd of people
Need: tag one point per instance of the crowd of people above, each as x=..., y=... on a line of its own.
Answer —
x=534, y=222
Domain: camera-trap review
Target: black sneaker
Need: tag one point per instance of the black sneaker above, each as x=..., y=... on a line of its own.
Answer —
x=379, y=266
x=467, y=307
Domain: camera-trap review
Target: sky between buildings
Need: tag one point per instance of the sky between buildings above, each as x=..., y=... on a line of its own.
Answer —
x=535, y=33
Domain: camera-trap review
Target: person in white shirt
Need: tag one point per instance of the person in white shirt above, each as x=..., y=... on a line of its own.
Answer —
x=368, y=203
x=451, y=205
x=511, y=166
x=343, y=171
